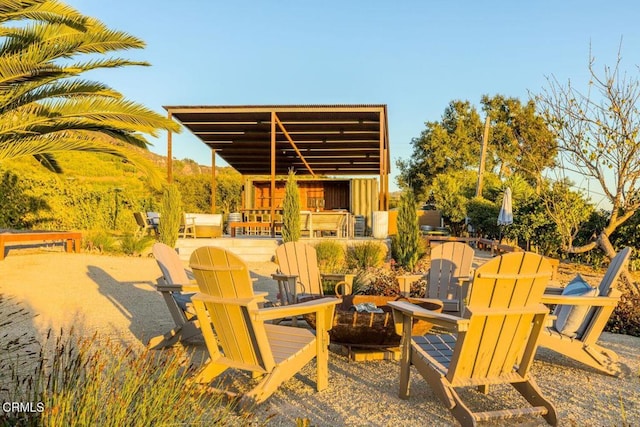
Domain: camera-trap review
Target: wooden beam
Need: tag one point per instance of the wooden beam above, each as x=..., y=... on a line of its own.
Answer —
x=382, y=195
x=169, y=154
x=272, y=192
x=293, y=144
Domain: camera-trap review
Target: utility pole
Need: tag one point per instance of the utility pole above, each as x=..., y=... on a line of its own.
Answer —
x=483, y=155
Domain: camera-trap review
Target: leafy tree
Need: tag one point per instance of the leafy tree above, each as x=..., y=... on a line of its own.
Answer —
x=520, y=142
x=16, y=203
x=228, y=190
x=483, y=216
x=598, y=133
x=45, y=107
x=451, y=193
x=291, y=210
x=195, y=191
x=568, y=209
x=448, y=145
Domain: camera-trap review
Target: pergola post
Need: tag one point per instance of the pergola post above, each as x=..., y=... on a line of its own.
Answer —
x=213, y=181
x=383, y=203
x=272, y=191
x=169, y=154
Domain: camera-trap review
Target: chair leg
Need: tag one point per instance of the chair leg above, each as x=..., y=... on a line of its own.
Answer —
x=530, y=391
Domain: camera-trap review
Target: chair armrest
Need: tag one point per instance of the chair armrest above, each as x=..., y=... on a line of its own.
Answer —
x=447, y=321
x=577, y=300
x=280, y=276
x=230, y=301
x=553, y=290
x=313, y=306
x=162, y=287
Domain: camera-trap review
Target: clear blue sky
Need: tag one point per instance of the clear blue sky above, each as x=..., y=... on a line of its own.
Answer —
x=415, y=56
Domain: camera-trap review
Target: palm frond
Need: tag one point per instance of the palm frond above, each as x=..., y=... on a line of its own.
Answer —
x=51, y=144
x=105, y=63
x=49, y=11
x=48, y=161
x=66, y=89
x=116, y=112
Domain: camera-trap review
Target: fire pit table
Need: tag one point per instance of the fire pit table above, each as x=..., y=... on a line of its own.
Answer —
x=372, y=330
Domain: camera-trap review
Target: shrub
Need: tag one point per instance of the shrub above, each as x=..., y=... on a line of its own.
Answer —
x=365, y=255
x=406, y=246
x=170, y=215
x=92, y=382
x=331, y=257
x=382, y=281
x=100, y=241
x=291, y=210
x=626, y=316
x=134, y=245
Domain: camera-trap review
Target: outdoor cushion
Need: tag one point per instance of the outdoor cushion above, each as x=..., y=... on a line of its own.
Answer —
x=570, y=317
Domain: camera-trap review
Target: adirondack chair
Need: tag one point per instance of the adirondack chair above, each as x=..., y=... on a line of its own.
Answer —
x=596, y=310
x=144, y=225
x=449, y=275
x=494, y=343
x=175, y=287
x=299, y=275
x=242, y=339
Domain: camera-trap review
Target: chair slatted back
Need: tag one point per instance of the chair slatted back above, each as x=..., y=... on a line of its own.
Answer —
x=449, y=261
x=597, y=317
x=223, y=275
x=169, y=262
x=300, y=259
x=141, y=219
x=503, y=301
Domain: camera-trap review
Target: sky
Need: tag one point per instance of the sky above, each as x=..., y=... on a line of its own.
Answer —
x=414, y=56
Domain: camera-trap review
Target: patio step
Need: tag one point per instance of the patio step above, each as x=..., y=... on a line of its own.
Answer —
x=249, y=249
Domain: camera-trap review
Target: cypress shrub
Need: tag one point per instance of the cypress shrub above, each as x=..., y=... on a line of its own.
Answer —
x=291, y=210
x=406, y=245
x=170, y=215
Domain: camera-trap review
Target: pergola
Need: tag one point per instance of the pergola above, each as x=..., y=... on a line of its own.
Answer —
x=341, y=140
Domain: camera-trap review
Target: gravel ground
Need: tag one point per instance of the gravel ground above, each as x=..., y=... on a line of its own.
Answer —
x=114, y=296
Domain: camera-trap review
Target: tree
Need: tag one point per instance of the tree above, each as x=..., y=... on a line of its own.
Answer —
x=519, y=143
x=520, y=139
x=45, y=107
x=170, y=215
x=598, y=133
x=406, y=244
x=449, y=145
x=291, y=210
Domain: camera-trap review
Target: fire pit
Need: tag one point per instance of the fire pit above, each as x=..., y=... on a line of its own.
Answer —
x=354, y=328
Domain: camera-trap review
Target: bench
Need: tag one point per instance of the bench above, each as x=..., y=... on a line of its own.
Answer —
x=205, y=225
x=72, y=239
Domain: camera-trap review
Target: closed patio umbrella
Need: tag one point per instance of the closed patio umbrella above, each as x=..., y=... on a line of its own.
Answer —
x=505, y=217
x=506, y=212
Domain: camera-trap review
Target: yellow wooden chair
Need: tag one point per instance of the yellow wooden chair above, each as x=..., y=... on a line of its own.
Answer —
x=449, y=275
x=299, y=275
x=589, y=315
x=242, y=339
x=493, y=343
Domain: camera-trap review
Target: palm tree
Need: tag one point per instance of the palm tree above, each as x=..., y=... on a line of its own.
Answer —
x=45, y=107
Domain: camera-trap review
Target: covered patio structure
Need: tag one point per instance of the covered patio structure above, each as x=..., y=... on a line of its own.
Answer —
x=270, y=140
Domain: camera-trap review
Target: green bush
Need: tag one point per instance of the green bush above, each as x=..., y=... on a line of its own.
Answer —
x=291, y=210
x=365, y=255
x=100, y=241
x=95, y=382
x=131, y=244
x=170, y=215
x=331, y=257
x=406, y=246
